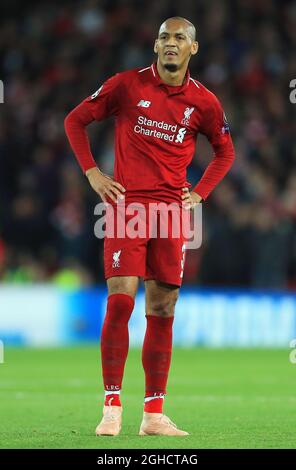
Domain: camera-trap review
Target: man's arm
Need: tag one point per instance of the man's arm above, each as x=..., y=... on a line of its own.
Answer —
x=216, y=170
x=98, y=106
x=216, y=129
x=75, y=127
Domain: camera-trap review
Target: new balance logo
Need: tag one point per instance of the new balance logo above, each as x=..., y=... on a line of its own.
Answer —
x=144, y=104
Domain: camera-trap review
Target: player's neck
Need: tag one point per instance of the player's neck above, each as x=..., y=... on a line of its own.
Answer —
x=171, y=78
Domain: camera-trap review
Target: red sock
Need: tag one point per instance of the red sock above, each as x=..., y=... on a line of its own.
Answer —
x=156, y=360
x=115, y=341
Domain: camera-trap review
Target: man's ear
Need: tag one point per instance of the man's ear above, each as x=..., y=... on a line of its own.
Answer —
x=194, y=48
x=155, y=46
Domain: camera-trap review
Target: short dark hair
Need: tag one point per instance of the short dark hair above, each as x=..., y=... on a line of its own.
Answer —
x=191, y=27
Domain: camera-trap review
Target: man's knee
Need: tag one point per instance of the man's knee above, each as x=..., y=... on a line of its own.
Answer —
x=123, y=285
x=163, y=307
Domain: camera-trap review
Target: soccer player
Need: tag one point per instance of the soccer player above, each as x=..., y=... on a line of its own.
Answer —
x=159, y=110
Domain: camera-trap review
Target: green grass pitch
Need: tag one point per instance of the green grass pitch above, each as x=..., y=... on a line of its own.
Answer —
x=52, y=398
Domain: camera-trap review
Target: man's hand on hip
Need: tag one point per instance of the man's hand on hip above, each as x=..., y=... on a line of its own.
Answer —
x=190, y=199
x=104, y=185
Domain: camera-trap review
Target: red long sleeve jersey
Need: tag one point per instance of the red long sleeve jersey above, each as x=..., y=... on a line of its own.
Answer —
x=156, y=127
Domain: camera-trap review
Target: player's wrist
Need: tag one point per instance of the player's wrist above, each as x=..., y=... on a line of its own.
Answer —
x=92, y=171
x=197, y=198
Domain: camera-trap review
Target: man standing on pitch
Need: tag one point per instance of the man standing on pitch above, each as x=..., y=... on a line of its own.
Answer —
x=159, y=110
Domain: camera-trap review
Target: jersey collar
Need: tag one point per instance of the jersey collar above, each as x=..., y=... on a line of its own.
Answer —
x=158, y=81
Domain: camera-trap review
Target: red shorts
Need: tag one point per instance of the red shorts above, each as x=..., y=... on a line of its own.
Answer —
x=158, y=254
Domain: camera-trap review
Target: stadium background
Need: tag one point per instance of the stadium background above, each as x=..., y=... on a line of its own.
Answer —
x=239, y=287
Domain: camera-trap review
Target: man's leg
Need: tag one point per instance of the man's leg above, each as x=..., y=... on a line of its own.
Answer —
x=156, y=356
x=114, y=348
x=157, y=347
x=115, y=338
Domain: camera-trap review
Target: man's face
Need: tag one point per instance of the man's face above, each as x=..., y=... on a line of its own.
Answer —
x=174, y=45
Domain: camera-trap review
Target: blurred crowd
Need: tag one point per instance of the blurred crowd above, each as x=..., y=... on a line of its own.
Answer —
x=53, y=54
